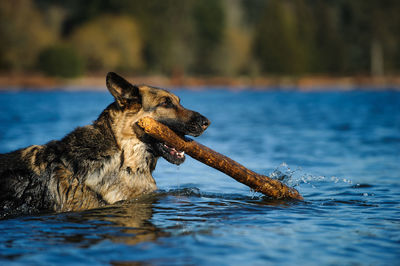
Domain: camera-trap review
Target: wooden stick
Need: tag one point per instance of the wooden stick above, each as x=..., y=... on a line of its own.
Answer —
x=260, y=183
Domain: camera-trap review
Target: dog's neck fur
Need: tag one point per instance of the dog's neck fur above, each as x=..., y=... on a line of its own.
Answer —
x=122, y=171
x=128, y=173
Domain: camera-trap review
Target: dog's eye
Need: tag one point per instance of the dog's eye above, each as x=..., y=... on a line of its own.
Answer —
x=167, y=103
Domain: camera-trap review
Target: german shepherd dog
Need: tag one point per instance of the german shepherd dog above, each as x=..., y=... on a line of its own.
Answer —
x=108, y=161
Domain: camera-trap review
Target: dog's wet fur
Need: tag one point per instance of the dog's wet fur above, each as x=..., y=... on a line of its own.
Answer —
x=108, y=161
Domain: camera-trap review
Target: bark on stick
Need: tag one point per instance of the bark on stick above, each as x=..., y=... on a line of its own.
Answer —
x=260, y=183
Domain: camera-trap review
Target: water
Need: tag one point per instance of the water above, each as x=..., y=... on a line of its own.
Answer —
x=340, y=149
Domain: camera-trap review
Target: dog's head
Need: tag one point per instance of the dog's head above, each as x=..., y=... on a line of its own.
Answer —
x=137, y=101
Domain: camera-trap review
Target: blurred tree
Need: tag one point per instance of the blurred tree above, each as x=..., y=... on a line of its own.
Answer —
x=54, y=17
x=181, y=54
x=109, y=43
x=253, y=11
x=370, y=31
x=60, y=60
x=22, y=35
x=167, y=29
x=328, y=41
x=384, y=36
x=234, y=56
x=209, y=37
x=282, y=39
x=77, y=12
x=354, y=25
x=342, y=36
x=209, y=23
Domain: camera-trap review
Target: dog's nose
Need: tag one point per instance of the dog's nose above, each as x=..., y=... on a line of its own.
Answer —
x=205, y=123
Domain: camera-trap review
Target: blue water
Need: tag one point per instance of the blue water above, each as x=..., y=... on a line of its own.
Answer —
x=340, y=149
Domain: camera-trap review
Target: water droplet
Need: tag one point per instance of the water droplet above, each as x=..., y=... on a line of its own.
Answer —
x=296, y=177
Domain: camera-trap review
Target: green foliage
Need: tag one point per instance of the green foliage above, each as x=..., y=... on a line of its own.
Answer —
x=61, y=61
x=207, y=37
x=166, y=28
x=319, y=36
x=282, y=42
x=209, y=25
x=109, y=42
x=234, y=52
x=22, y=35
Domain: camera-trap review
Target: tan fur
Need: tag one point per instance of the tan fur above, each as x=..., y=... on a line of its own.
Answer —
x=29, y=154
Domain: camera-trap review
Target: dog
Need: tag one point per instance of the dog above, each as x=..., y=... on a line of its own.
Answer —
x=109, y=161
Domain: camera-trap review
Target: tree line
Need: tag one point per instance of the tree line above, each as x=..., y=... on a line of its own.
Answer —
x=201, y=37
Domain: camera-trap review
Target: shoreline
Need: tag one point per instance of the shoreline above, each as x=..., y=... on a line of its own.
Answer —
x=36, y=82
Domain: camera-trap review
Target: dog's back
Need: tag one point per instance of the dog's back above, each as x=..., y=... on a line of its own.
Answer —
x=21, y=190
x=51, y=176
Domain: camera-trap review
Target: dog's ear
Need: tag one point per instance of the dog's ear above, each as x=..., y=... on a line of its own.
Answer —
x=124, y=92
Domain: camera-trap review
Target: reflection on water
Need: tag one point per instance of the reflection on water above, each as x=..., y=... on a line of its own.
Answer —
x=341, y=151
x=125, y=222
x=130, y=223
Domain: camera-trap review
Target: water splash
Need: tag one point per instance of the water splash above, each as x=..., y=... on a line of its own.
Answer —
x=296, y=177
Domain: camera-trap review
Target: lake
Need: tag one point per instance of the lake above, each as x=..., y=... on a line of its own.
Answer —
x=341, y=150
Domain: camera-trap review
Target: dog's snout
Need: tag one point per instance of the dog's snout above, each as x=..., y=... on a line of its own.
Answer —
x=197, y=125
x=204, y=123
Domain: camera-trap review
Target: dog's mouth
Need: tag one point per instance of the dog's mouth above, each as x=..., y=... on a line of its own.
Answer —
x=160, y=149
x=170, y=154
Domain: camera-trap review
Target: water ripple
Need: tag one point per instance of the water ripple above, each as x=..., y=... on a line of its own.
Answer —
x=341, y=151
